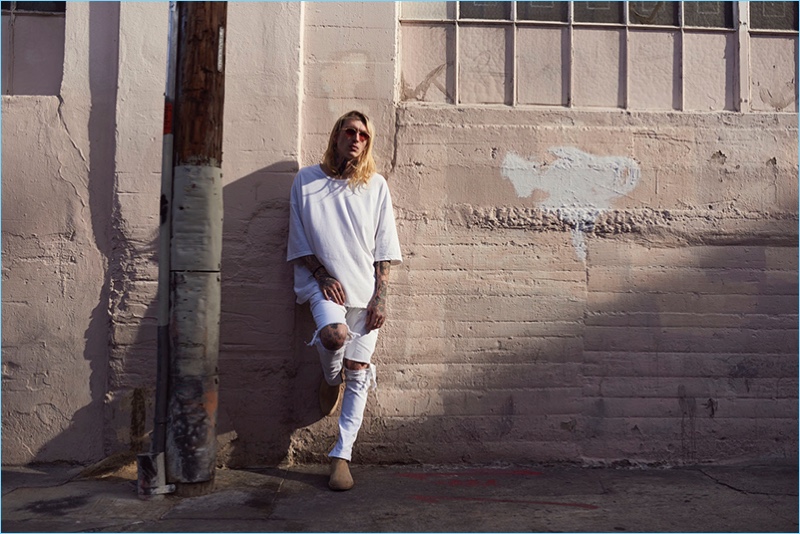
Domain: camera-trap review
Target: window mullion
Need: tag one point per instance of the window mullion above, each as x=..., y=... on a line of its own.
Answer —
x=743, y=56
x=571, y=66
x=12, y=18
x=682, y=55
x=626, y=100
x=456, y=58
x=514, y=76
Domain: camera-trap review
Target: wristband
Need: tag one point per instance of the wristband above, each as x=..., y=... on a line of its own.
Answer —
x=314, y=274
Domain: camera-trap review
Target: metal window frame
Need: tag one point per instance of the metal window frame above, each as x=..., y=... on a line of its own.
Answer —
x=14, y=11
x=12, y=14
x=744, y=55
x=741, y=68
x=742, y=85
x=767, y=31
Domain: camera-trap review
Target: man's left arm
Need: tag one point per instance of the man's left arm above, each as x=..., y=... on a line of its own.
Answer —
x=376, y=309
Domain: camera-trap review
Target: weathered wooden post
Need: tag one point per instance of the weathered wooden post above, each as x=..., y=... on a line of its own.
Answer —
x=196, y=247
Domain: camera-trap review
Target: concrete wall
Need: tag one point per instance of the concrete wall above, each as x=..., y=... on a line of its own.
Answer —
x=134, y=191
x=591, y=286
x=263, y=96
x=653, y=320
x=58, y=167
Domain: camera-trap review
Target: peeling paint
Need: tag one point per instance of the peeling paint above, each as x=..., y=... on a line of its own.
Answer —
x=579, y=186
x=778, y=98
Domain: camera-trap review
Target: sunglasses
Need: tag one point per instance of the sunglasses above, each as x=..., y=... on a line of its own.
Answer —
x=352, y=132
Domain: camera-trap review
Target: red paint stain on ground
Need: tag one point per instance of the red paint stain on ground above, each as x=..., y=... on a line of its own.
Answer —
x=470, y=483
x=471, y=473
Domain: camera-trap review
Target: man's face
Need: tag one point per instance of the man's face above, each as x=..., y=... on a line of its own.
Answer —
x=351, y=140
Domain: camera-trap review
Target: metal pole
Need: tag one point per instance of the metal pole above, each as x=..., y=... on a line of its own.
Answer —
x=159, y=433
x=196, y=250
x=151, y=467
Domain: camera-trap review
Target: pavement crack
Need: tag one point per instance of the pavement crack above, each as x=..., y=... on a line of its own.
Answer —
x=284, y=472
x=745, y=492
x=717, y=481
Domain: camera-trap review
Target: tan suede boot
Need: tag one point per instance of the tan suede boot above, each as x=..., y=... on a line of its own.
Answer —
x=329, y=397
x=341, y=480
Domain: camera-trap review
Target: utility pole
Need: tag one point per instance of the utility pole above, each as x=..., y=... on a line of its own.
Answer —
x=196, y=212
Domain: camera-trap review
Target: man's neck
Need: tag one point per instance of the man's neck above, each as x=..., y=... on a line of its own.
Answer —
x=341, y=172
x=343, y=167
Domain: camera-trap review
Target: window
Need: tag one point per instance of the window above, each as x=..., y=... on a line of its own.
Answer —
x=32, y=47
x=773, y=56
x=696, y=56
x=773, y=15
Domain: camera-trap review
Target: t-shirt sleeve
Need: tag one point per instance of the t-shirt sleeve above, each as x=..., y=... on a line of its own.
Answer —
x=387, y=244
x=298, y=245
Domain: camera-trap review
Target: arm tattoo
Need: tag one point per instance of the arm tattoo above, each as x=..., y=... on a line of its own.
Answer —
x=318, y=270
x=381, y=284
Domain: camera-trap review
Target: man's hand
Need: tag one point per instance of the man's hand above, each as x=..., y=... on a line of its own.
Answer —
x=376, y=309
x=331, y=288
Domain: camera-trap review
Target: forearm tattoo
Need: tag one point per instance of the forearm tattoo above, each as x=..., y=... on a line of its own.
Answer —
x=381, y=284
x=318, y=270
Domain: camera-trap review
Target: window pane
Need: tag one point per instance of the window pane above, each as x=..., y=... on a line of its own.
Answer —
x=38, y=60
x=485, y=10
x=773, y=15
x=546, y=11
x=5, y=61
x=42, y=7
x=543, y=65
x=654, y=13
x=772, y=80
x=708, y=14
x=599, y=69
x=654, y=69
x=427, y=72
x=484, y=66
x=609, y=12
x=427, y=10
x=709, y=67
x=5, y=6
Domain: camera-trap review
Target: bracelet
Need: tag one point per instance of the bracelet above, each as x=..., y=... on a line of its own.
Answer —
x=314, y=274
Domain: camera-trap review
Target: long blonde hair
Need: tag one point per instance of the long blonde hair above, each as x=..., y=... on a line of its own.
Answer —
x=361, y=168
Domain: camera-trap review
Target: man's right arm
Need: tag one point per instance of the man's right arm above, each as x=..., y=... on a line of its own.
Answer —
x=330, y=286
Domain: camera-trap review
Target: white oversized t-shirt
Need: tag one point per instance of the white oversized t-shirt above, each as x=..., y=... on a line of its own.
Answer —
x=347, y=229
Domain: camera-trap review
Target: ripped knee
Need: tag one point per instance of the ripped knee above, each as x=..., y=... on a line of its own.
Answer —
x=355, y=366
x=333, y=336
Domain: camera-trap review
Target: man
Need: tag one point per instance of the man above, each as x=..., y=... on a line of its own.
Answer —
x=343, y=240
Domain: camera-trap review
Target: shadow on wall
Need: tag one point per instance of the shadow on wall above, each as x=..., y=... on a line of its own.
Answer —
x=268, y=377
x=691, y=351
x=680, y=355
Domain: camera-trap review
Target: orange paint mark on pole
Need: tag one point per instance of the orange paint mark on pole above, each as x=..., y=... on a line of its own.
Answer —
x=168, y=118
x=210, y=402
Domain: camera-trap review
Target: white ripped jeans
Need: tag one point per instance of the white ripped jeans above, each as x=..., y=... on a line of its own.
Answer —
x=358, y=347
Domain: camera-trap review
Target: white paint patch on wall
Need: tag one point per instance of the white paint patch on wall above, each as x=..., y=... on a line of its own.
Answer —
x=579, y=186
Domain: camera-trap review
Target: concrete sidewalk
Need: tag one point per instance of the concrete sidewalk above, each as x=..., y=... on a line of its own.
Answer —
x=750, y=498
